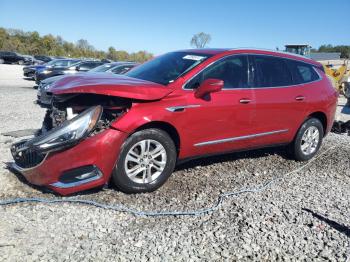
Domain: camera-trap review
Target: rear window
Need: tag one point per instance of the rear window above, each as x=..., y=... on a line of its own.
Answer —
x=271, y=72
x=302, y=72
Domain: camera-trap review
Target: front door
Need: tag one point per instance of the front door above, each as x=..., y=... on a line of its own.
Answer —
x=220, y=121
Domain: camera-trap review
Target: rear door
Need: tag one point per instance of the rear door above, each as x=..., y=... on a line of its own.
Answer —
x=280, y=107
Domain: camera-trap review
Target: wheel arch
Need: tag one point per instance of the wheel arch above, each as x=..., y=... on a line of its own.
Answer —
x=165, y=126
x=323, y=119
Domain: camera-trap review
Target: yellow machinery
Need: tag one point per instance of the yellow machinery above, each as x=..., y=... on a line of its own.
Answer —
x=340, y=78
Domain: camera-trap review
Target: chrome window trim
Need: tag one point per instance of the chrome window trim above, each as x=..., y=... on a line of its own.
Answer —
x=253, y=88
x=238, y=138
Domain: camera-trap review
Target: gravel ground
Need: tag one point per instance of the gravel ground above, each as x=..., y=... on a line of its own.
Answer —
x=306, y=216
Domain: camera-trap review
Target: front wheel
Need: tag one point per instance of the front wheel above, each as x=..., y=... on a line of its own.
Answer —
x=308, y=140
x=146, y=161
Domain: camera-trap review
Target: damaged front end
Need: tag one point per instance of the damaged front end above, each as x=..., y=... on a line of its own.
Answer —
x=73, y=125
x=66, y=107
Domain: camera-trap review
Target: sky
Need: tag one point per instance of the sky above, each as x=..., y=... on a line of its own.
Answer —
x=161, y=26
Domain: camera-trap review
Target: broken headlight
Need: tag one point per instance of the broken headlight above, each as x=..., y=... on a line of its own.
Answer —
x=70, y=132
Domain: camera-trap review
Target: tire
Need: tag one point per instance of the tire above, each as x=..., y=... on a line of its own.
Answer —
x=299, y=148
x=146, y=179
x=346, y=89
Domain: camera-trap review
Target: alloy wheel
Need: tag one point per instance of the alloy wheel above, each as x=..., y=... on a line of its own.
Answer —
x=310, y=140
x=145, y=161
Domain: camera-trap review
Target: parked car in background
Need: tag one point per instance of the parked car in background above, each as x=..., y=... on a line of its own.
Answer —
x=72, y=68
x=43, y=58
x=134, y=128
x=29, y=71
x=115, y=67
x=85, y=66
x=13, y=58
x=44, y=94
x=60, y=67
x=28, y=60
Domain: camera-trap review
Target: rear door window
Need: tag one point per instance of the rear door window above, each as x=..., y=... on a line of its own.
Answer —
x=232, y=70
x=271, y=71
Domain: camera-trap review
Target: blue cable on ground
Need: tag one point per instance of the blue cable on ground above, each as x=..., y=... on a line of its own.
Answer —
x=196, y=212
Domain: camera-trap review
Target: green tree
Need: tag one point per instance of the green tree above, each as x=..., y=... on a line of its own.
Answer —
x=33, y=44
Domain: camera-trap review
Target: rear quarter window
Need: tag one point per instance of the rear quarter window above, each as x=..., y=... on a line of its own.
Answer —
x=302, y=72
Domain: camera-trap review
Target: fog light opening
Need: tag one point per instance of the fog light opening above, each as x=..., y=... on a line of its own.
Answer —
x=78, y=176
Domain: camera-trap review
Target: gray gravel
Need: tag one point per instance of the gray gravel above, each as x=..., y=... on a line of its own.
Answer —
x=304, y=217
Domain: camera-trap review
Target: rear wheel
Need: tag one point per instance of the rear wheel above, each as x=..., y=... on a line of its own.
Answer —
x=346, y=89
x=146, y=161
x=308, y=140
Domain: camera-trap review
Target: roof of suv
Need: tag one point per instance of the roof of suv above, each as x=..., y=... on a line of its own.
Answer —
x=216, y=51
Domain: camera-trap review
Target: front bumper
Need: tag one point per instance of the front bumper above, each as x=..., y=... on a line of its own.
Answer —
x=96, y=155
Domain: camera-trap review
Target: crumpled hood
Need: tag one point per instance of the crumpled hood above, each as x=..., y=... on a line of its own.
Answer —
x=110, y=84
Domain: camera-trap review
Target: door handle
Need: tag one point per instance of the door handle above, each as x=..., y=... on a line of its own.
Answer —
x=245, y=101
x=300, y=98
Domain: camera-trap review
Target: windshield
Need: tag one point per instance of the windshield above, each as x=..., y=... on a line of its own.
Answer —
x=101, y=68
x=167, y=68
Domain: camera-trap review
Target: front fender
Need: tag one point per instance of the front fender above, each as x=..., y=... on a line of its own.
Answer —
x=141, y=114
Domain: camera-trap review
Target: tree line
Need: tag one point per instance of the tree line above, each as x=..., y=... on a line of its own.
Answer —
x=31, y=43
x=344, y=50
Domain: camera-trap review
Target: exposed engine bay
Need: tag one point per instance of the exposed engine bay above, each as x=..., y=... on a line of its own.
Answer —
x=66, y=107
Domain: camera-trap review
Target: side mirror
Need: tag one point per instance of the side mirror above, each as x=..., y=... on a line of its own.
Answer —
x=77, y=68
x=208, y=86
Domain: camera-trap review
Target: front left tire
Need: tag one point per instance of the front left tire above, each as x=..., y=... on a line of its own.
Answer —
x=146, y=161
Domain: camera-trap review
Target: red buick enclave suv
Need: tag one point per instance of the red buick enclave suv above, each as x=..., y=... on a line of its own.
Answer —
x=133, y=129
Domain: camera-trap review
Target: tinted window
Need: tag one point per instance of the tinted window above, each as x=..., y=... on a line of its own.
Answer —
x=232, y=70
x=59, y=63
x=302, y=72
x=101, y=68
x=71, y=62
x=271, y=72
x=88, y=65
x=121, y=69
